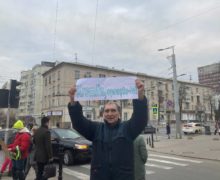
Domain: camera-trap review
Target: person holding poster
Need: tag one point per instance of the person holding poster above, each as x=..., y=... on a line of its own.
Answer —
x=113, y=151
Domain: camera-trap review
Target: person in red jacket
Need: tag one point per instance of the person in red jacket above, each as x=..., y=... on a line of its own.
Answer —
x=20, y=149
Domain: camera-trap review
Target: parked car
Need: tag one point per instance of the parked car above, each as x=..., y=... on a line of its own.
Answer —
x=11, y=135
x=75, y=147
x=192, y=127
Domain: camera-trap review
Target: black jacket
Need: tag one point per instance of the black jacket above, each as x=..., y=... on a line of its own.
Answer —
x=112, y=156
x=43, y=148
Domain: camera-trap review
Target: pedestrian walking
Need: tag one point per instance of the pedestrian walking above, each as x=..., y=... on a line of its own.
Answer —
x=43, y=148
x=58, y=125
x=168, y=130
x=217, y=129
x=31, y=158
x=140, y=158
x=113, y=151
x=19, y=148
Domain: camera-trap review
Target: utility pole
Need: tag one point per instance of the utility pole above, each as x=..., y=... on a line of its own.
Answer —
x=8, y=114
x=176, y=94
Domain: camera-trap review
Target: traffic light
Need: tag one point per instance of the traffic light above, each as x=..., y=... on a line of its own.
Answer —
x=4, y=98
x=14, y=94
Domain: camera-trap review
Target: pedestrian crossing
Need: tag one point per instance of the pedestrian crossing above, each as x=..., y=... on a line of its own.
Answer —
x=155, y=163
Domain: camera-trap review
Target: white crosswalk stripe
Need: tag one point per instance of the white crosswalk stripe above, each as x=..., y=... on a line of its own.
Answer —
x=167, y=162
x=86, y=166
x=175, y=158
x=154, y=164
x=76, y=174
x=149, y=172
x=158, y=166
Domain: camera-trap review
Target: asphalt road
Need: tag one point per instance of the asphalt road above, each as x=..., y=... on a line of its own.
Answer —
x=158, y=167
x=161, y=167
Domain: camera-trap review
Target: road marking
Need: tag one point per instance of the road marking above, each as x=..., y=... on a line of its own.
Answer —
x=149, y=172
x=76, y=174
x=86, y=166
x=175, y=158
x=158, y=166
x=167, y=162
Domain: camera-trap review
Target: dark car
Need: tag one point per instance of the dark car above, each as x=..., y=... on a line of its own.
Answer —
x=75, y=147
x=11, y=135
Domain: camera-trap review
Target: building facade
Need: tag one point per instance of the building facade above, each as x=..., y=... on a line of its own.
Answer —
x=210, y=75
x=194, y=97
x=31, y=89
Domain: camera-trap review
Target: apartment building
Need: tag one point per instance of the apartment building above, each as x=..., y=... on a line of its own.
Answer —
x=194, y=97
x=210, y=75
x=31, y=89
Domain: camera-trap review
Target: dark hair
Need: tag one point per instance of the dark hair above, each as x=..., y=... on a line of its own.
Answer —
x=44, y=121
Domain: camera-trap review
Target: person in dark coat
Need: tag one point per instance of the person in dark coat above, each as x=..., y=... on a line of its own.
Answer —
x=31, y=158
x=113, y=151
x=43, y=148
x=140, y=158
x=168, y=130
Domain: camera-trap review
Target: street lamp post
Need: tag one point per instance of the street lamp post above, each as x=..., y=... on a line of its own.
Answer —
x=176, y=93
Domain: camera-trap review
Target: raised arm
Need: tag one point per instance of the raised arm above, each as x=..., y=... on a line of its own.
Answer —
x=84, y=126
x=139, y=117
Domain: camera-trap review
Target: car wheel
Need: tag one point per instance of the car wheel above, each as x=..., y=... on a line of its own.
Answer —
x=185, y=133
x=68, y=157
x=196, y=132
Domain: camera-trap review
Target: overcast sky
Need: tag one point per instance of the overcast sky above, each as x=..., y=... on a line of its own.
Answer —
x=124, y=34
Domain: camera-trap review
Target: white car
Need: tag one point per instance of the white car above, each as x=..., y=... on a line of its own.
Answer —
x=192, y=128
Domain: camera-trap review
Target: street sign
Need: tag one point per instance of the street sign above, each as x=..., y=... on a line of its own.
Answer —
x=155, y=109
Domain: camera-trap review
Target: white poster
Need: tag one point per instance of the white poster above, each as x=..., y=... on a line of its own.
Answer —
x=111, y=88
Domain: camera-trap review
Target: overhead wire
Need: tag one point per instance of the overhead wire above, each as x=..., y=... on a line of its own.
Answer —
x=55, y=30
x=182, y=21
x=94, y=34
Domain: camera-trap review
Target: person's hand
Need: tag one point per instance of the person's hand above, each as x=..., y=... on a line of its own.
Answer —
x=140, y=87
x=71, y=93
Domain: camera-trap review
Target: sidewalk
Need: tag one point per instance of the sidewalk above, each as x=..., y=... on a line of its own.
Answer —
x=31, y=176
x=200, y=146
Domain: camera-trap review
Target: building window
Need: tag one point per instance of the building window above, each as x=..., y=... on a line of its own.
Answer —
x=88, y=75
x=166, y=87
x=198, y=99
x=49, y=80
x=58, y=75
x=187, y=106
x=87, y=103
x=102, y=75
x=58, y=89
x=77, y=74
x=152, y=84
x=53, y=102
x=152, y=94
x=45, y=82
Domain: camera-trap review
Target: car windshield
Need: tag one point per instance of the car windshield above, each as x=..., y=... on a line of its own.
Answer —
x=67, y=133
